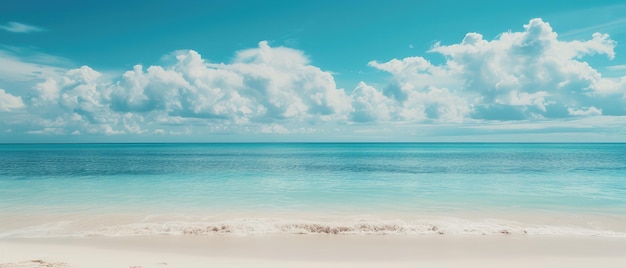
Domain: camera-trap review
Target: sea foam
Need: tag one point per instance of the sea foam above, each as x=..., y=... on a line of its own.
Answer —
x=281, y=226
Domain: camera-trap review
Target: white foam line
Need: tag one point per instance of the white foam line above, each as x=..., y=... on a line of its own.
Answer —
x=353, y=226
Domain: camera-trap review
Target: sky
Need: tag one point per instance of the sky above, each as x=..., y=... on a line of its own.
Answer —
x=249, y=71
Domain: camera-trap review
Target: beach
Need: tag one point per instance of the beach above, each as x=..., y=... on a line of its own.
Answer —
x=314, y=251
x=312, y=205
x=153, y=134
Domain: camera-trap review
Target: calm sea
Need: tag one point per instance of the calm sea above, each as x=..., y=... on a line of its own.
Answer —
x=58, y=189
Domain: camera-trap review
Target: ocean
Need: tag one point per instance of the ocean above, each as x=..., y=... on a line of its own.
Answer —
x=59, y=190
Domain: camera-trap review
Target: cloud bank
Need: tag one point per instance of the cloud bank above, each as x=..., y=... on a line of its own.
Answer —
x=519, y=75
x=528, y=75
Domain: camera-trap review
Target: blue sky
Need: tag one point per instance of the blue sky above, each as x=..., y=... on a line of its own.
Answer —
x=76, y=71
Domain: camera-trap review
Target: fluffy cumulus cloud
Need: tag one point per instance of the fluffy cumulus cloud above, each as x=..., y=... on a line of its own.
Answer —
x=263, y=87
x=8, y=101
x=519, y=75
x=524, y=75
x=74, y=103
x=369, y=104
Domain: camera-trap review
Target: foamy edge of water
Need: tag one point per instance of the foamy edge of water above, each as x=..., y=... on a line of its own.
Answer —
x=277, y=226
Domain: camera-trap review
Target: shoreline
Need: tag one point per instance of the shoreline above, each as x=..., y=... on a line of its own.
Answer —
x=68, y=225
x=313, y=251
x=261, y=224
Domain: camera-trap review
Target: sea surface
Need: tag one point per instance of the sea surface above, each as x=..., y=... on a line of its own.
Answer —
x=50, y=190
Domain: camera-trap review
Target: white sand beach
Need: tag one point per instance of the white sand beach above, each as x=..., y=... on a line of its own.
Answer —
x=314, y=251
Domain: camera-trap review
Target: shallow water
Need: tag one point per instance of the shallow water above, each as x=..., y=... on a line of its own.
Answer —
x=332, y=179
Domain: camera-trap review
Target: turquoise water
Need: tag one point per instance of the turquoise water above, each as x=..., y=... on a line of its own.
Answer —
x=331, y=178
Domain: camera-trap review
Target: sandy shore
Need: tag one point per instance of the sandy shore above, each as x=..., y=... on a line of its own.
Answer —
x=314, y=251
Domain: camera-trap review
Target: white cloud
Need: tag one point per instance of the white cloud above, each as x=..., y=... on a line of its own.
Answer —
x=519, y=75
x=76, y=102
x=613, y=25
x=17, y=27
x=264, y=87
x=274, y=129
x=8, y=101
x=585, y=111
x=616, y=67
x=537, y=99
x=369, y=104
x=528, y=76
x=23, y=69
x=262, y=84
